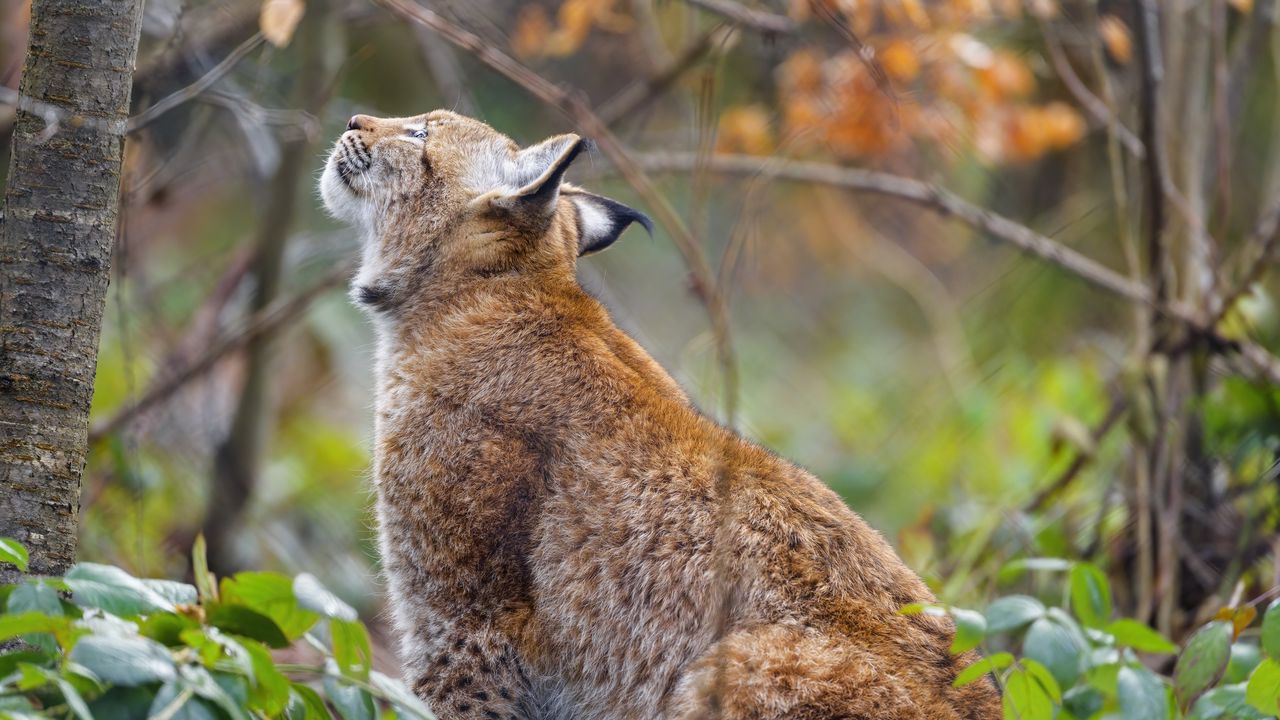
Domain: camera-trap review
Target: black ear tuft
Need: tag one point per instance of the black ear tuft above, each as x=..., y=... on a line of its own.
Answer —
x=601, y=221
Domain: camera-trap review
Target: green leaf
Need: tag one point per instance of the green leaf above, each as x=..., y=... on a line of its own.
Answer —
x=12, y=552
x=73, y=699
x=1025, y=698
x=9, y=661
x=400, y=696
x=1082, y=701
x=1042, y=676
x=1263, y=690
x=176, y=701
x=270, y=688
x=272, y=595
x=244, y=621
x=1225, y=703
x=1271, y=630
x=35, y=596
x=125, y=660
x=1015, y=569
x=206, y=583
x=109, y=588
x=12, y=626
x=1131, y=633
x=315, y=597
x=352, y=702
x=1012, y=613
x=123, y=703
x=177, y=593
x=351, y=648
x=202, y=682
x=1202, y=662
x=989, y=664
x=1052, y=644
x=1142, y=696
x=166, y=628
x=971, y=627
x=1244, y=658
x=1090, y=595
x=312, y=703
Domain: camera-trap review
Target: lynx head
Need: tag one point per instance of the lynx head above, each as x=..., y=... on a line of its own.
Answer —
x=441, y=197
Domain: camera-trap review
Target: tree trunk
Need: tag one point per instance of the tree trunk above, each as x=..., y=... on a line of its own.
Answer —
x=61, y=208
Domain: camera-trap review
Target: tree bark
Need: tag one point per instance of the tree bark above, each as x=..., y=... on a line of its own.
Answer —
x=61, y=210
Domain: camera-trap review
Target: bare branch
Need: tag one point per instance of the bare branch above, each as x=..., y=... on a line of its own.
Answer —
x=1152, y=65
x=1257, y=361
x=189, y=92
x=766, y=22
x=1115, y=411
x=1092, y=104
x=935, y=198
x=637, y=95
x=266, y=321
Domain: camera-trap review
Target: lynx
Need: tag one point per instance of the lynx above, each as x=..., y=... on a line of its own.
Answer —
x=549, y=499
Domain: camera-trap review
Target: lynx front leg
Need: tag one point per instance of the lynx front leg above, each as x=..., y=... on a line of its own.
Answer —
x=475, y=673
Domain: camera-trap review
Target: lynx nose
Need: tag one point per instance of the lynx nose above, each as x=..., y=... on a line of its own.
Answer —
x=360, y=122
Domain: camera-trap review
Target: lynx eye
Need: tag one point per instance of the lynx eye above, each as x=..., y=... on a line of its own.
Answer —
x=420, y=133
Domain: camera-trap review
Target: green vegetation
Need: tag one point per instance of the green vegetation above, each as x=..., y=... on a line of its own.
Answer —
x=1071, y=659
x=100, y=643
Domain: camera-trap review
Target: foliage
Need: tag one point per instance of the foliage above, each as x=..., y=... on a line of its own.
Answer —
x=1074, y=661
x=100, y=643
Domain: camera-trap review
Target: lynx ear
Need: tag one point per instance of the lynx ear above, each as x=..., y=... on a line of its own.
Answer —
x=601, y=220
x=536, y=174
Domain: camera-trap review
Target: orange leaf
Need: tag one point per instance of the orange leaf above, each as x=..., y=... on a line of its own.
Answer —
x=1240, y=618
x=1006, y=76
x=745, y=129
x=279, y=18
x=531, y=32
x=1116, y=38
x=900, y=61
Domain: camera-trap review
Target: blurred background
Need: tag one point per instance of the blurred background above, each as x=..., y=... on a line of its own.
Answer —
x=974, y=399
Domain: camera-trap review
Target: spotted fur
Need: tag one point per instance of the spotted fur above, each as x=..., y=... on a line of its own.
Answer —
x=547, y=495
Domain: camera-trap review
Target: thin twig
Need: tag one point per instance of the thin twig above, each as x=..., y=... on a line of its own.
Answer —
x=1258, y=361
x=1115, y=411
x=921, y=193
x=1266, y=237
x=760, y=20
x=266, y=321
x=1152, y=65
x=639, y=94
x=189, y=92
x=1092, y=104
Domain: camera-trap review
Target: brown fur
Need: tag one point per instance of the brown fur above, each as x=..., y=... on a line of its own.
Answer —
x=547, y=494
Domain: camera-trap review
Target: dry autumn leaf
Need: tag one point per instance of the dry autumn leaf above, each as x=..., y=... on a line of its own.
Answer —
x=900, y=61
x=279, y=18
x=1116, y=38
x=745, y=130
x=532, y=30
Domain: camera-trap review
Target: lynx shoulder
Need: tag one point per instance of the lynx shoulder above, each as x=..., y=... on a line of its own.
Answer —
x=548, y=499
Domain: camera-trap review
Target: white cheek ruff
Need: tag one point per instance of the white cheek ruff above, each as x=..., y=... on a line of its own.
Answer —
x=339, y=199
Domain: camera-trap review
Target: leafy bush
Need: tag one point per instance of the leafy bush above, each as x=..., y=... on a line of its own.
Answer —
x=1075, y=662
x=99, y=643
